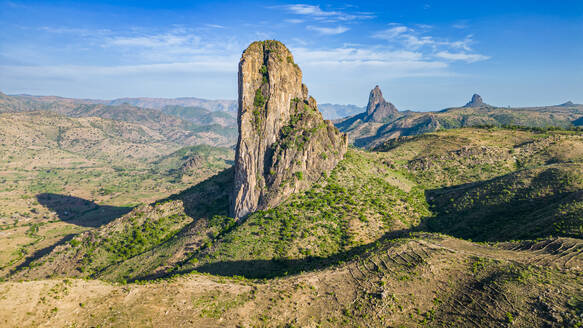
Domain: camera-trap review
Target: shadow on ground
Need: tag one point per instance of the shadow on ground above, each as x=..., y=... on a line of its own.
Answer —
x=79, y=211
x=42, y=252
x=501, y=209
x=273, y=268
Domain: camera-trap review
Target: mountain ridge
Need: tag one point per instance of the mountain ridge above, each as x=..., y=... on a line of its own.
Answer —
x=144, y=102
x=211, y=129
x=369, y=133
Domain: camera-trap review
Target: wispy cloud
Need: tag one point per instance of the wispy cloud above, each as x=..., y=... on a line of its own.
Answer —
x=461, y=56
x=355, y=54
x=328, y=30
x=391, y=33
x=75, y=31
x=200, y=64
x=462, y=24
x=294, y=20
x=153, y=41
x=174, y=45
x=341, y=66
x=410, y=38
x=195, y=55
x=214, y=26
x=317, y=13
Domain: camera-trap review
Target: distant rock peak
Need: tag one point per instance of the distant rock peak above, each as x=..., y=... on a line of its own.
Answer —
x=476, y=101
x=378, y=109
x=284, y=143
x=567, y=104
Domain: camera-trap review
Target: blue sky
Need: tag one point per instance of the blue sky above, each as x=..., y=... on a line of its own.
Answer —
x=425, y=55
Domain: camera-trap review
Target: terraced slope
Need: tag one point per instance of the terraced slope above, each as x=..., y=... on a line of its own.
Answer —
x=425, y=280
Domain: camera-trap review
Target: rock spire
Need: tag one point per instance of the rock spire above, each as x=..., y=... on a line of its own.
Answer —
x=284, y=143
x=475, y=102
x=378, y=109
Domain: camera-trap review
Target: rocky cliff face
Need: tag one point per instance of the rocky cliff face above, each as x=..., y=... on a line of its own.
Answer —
x=378, y=109
x=475, y=102
x=284, y=143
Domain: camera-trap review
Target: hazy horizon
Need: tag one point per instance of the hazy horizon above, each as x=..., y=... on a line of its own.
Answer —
x=424, y=55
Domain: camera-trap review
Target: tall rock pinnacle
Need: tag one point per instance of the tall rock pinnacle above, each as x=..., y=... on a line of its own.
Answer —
x=284, y=143
x=378, y=109
x=475, y=102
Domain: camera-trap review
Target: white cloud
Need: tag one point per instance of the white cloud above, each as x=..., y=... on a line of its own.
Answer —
x=374, y=61
x=302, y=9
x=299, y=41
x=294, y=21
x=353, y=54
x=402, y=36
x=214, y=26
x=201, y=64
x=462, y=24
x=176, y=45
x=180, y=60
x=82, y=32
x=413, y=41
x=317, y=13
x=461, y=56
x=328, y=30
x=152, y=41
x=391, y=33
x=463, y=44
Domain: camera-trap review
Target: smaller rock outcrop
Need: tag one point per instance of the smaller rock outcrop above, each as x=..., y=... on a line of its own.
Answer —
x=475, y=102
x=378, y=109
x=192, y=164
x=567, y=104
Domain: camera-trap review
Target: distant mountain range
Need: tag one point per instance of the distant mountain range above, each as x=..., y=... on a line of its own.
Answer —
x=182, y=125
x=382, y=121
x=329, y=111
x=144, y=102
x=214, y=121
x=335, y=111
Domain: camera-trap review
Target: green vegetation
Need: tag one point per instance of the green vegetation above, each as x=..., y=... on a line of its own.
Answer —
x=138, y=234
x=320, y=222
x=136, y=239
x=298, y=131
x=461, y=182
x=63, y=176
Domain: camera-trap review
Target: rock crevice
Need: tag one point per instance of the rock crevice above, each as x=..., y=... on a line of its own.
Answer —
x=284, y=143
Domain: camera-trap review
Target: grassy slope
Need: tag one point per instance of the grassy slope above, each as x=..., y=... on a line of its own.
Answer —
x=343, y=233
x=443, y=182
x=61, y=176
x=495, y=184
